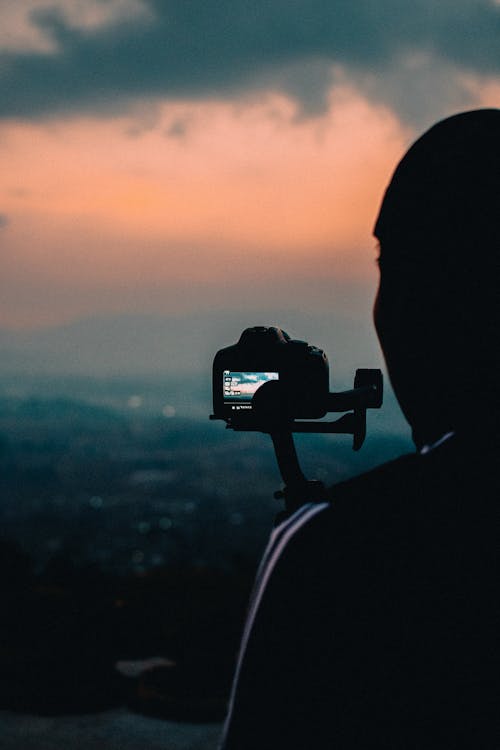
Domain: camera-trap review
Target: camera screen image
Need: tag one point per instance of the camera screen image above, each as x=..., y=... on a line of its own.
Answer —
x=239, y=387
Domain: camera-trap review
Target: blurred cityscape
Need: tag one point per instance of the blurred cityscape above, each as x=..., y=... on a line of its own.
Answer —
x=131, y=527
x=126, y=475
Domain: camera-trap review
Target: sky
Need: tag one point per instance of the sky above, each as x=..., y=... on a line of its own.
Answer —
x=205, y=155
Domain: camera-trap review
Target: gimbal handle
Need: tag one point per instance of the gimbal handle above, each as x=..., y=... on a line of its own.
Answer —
x=298, y=490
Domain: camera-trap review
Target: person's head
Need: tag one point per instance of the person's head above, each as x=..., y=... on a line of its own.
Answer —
x=436, y=311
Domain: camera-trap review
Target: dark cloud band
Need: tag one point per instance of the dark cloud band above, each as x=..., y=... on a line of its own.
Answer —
x=217, y=48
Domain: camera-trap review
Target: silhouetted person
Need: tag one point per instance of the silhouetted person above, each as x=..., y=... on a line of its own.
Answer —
x=374, y=619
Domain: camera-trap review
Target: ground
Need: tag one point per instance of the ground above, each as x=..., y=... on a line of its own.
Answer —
x=117, y=729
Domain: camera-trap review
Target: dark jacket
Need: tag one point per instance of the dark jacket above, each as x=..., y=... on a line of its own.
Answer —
x=376, y=621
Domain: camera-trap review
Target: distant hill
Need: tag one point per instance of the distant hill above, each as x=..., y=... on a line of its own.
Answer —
x=148, y=344
x=126, y=350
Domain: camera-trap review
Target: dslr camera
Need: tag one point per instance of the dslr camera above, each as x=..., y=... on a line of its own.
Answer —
x=268, y=377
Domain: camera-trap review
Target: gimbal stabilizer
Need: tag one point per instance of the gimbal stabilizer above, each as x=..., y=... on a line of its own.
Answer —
x=270, y=383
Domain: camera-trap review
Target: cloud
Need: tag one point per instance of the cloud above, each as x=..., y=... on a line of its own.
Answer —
x=26, y=25
x=178, y=128
x=99, y=62
x=4, y=220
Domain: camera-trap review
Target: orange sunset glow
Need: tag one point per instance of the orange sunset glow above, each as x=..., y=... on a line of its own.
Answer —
x=94, y=202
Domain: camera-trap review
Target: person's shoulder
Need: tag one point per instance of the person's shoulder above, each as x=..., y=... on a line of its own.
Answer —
x=371, y=492
x=387, y=503
x=422, y=485
x=358, y=502
x=378, y=483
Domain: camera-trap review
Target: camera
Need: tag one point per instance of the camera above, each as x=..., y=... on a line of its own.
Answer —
x=266, y=376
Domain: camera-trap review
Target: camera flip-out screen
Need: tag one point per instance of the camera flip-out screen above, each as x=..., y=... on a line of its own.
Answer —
x=239, y=387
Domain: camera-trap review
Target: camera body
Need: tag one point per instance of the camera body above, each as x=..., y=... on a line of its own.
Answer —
x=269, y=376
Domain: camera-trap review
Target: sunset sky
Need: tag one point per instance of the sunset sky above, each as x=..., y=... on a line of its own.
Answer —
x=171, y=157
